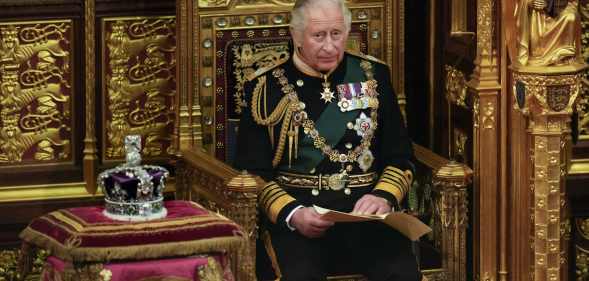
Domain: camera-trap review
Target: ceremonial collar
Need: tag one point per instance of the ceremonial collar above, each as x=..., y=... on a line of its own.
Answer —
x=305, y=68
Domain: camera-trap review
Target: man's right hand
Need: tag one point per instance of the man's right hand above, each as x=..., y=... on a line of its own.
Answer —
x=308, y=222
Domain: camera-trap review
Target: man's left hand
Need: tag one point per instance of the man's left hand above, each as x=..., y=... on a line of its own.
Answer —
x=370, y=204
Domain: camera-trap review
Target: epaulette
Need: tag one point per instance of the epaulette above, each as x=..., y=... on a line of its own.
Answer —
x=264, y=69
x=365, y=56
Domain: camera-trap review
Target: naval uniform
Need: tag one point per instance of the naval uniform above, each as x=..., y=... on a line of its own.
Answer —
x=327, y=141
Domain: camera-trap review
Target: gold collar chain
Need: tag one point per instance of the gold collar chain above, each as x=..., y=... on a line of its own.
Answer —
x=300, y=117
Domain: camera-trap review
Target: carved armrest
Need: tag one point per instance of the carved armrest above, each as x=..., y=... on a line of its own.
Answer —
x=450, y=181
x=218, y=187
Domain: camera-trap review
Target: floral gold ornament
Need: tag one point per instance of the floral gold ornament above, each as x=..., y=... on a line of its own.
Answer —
x=365, y=161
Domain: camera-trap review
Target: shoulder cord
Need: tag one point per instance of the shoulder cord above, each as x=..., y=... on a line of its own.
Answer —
x=283, y=111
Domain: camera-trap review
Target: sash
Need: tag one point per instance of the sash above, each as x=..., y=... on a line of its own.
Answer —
x=331, y=124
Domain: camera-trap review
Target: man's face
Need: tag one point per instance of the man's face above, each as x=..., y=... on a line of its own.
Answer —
x=323, y=40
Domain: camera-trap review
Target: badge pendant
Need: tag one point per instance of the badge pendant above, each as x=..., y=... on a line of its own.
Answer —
x=327, y=95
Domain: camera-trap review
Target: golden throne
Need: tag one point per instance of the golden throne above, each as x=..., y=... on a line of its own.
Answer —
x=232, y=39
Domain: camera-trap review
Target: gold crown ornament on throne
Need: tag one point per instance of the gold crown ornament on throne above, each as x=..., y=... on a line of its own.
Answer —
x=134, y=192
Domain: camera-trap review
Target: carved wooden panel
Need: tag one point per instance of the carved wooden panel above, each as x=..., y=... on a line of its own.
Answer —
x=138, y=80
x=36, y=93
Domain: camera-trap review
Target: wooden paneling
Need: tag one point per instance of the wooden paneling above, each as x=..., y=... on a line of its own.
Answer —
x=40, y=183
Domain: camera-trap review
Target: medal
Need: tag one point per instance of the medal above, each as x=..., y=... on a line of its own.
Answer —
x=327, y=95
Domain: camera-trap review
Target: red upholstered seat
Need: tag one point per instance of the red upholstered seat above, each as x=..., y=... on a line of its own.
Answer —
x=86, y=235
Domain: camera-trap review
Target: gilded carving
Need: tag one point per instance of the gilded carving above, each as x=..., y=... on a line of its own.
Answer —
x=475, y=113
x=583, y=111
x=233, y=196
x=545, y=92
x=582, y=264
x=583, y=227
x=460, y=139
x=558, y=97
x=249, y=58
x=543, y=33
x=10, y=260
x=488, y=116
x=212, y=271
x=485, y=64
x=451, y=214
x=583, y=103
x=548, y=205
x=456, y=89
x=212, y=3
x=35, y=90
x=140, y=83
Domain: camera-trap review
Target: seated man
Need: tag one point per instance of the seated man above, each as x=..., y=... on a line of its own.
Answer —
x=324, y=128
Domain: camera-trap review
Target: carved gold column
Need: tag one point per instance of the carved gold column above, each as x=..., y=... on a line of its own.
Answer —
x=187, y=128
x=486, y=88
x=90, y=151
x=547, y=96
x=242, y=190
x=451, y=201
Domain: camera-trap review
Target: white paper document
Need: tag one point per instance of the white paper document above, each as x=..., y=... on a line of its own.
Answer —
x=408, y=225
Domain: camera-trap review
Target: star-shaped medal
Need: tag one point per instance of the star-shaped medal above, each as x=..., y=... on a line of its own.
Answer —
x=327, y=95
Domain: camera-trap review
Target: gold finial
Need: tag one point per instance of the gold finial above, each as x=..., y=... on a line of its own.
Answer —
x=454, y=174
x=244, y=182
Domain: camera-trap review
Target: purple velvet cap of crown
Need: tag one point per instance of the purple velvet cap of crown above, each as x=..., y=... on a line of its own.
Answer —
x=129, y=184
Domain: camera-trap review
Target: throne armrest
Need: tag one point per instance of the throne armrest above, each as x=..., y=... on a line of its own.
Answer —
x=218, y=187
x=449, y=208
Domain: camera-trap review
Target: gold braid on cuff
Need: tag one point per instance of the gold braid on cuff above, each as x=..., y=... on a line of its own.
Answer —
x=272, y=198
x=395, y=182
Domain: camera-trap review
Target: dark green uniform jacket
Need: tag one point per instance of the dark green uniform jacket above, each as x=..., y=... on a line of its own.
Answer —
x=259, y=143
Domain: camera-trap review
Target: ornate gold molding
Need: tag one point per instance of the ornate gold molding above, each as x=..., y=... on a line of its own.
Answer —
x=90, y=151
x=451, y=212
x=456, y=89
x=485, y=88
x=548, y=98
x=579, y=166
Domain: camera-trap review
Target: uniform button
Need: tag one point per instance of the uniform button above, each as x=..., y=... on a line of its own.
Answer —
x=300, y=83
x=348, y=145
x=350, y=125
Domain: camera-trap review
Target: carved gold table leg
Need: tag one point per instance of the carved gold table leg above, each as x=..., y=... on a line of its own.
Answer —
x=547, y=97
x=451, y=201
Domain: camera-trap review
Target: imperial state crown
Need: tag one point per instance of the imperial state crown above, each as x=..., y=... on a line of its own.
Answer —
x=133, y=192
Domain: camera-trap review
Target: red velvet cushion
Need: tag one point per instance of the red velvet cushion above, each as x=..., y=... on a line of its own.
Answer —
x=85, y=234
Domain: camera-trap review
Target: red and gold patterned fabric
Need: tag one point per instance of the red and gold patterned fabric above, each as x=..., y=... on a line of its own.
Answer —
x=86, y=235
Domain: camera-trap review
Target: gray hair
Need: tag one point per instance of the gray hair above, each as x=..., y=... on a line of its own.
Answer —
x=298, y=15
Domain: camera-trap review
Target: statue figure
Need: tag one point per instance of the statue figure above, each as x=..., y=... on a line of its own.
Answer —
x=544, y=33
